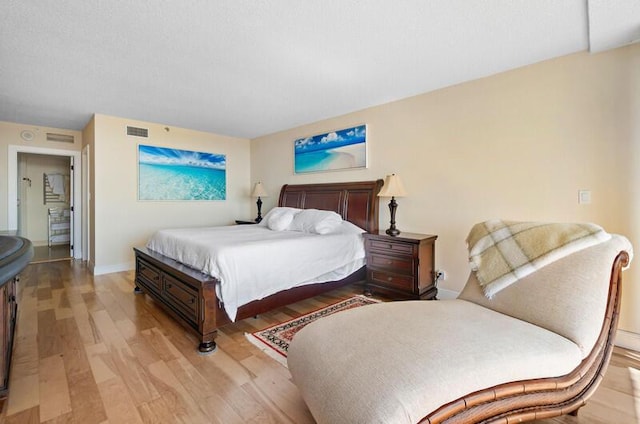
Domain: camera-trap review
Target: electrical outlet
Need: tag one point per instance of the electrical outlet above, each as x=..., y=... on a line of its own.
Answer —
x=584, y=197
x=440, y=275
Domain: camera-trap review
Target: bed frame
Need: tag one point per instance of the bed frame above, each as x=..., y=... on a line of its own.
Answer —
x=189, y=296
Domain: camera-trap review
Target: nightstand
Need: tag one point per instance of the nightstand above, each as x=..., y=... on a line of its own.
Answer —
x=401, y=266
x=241, y=222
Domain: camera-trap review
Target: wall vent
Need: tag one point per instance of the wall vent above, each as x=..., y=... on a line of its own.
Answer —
x=60, y=138
x=137, y=132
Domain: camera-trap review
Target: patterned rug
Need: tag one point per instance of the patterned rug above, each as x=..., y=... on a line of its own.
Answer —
x=274, y=341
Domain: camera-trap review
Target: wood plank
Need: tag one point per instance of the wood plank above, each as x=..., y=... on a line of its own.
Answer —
x=200, y=389
x=117, y=402
x=183, y=406
x=28, y=416
x=100, y=361
x=24, y=394
x=86, y=325
x=54, y=388
x=49, y=343
x=60, y=303
x=86, y=401
x=74, y=355
x=273, y=383
x=155, y=411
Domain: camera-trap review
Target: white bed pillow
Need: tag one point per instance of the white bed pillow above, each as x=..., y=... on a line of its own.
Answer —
x=279, y=218
x=347, y=227
x=315, y=221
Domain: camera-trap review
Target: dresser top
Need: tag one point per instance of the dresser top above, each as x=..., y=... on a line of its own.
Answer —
x=410, y=237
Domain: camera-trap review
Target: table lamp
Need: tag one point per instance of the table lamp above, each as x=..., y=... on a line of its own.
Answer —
x=259, y=191
x=392, y=187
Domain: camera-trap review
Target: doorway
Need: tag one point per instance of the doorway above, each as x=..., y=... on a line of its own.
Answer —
x=31, y=163
x=44, y=205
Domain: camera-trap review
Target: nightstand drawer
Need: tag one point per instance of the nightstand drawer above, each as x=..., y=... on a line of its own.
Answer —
x=404, y=265
x=394, y=246
x=392, y=280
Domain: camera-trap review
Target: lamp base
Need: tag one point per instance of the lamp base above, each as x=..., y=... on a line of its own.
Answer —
x=393, y=232
x=393, y=205
x=259, y=217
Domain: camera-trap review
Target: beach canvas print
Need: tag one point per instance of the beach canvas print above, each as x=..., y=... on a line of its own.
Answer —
x=173, y=174
x=342, y=149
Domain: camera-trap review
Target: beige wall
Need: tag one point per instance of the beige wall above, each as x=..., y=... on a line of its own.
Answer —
x=121, y=221
x=518, y=145
x=629, y=164
x=10, y=135
x=88, y=139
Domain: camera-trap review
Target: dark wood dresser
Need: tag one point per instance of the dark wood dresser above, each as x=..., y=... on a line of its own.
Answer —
x=15, y=254
x=401, y=266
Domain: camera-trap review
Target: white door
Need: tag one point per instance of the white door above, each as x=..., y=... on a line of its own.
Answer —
x=23, y=184
x=71, y=203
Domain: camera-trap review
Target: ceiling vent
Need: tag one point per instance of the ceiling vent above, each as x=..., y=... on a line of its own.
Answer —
x=60, y=138
x=138, y=132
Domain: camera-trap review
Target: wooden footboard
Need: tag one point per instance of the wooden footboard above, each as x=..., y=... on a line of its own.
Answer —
x=186, y=294
x=190, y=296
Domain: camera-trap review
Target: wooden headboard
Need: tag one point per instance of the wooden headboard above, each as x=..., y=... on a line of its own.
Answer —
x=356, y=202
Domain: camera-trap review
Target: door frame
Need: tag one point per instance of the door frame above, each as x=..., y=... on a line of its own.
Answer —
x=12, y=198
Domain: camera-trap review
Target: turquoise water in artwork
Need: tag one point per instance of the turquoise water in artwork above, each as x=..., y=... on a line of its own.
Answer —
x=179, y=182
x=313, y=161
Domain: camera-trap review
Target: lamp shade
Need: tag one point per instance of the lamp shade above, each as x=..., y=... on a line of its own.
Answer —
x=259, y=191
x=392, y=187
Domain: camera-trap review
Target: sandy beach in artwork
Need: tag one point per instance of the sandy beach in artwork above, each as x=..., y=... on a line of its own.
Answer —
x=351, y=156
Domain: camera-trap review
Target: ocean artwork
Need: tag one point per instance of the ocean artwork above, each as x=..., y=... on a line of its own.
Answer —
x=174, y=174
x=342, y=149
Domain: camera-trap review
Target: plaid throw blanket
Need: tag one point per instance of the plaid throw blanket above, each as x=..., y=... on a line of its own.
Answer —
x=502, y=252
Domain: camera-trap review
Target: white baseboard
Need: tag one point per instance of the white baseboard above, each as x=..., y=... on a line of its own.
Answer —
x=628, y=340
x=444, y=294
x=108, y=269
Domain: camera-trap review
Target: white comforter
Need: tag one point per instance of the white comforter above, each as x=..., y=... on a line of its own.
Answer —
x=252, y=261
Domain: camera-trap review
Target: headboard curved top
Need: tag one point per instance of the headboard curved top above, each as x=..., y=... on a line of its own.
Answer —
x=356, y=202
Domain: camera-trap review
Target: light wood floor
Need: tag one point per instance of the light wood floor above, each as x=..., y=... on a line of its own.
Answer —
x=90, y=351
x=43, y=254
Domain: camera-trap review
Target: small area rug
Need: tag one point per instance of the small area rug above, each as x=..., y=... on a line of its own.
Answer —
x=274, y=340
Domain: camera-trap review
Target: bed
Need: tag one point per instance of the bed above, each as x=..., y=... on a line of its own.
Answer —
x=190, y=296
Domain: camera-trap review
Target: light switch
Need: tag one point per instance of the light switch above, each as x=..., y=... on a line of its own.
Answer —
x=584, y=197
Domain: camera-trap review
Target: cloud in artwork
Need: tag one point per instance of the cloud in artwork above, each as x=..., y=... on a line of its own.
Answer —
x=331, y=139
x=152, y=155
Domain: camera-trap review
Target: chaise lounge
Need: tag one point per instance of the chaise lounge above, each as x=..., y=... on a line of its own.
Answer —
x=535, y=349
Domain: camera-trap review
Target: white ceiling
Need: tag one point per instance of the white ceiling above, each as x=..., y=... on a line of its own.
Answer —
x=248, y=67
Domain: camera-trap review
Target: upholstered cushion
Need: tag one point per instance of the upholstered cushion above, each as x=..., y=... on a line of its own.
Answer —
x=396, y=362
x=568, y=297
